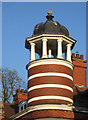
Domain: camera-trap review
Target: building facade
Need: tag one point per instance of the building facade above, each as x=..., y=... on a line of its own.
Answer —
x=56, y=80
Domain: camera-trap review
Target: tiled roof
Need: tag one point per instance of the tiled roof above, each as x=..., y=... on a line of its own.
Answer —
x=9, y=109
x=79, y=90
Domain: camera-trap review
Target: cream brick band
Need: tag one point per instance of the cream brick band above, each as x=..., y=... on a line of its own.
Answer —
x=53, y=106
x=50, y=97
x=50, y=61
x=42, y=107
x=50, y=85
x=50, y=74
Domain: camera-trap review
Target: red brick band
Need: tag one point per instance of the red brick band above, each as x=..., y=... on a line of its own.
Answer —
x=50, y=80
x=48, y=114
x=50, y=92
x=49, y=68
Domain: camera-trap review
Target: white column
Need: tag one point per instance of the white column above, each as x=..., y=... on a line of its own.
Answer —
x=49, y=53
x=69, y=52
x=59, y=50
x=44, y=52
x=19, y=109
x=32, y=51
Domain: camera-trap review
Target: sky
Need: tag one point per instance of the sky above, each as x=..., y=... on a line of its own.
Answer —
x=19, y=20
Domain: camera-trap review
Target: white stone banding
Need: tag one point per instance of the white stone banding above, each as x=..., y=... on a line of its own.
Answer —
x=50, y=74
x=50, y=97
x=50, y=85
x=53, y=106
x=50, y=61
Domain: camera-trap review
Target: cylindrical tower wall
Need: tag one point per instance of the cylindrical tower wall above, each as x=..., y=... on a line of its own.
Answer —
x=50, y=81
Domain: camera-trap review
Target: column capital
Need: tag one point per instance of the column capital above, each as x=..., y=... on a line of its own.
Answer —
x=69, y=45
x=32, y=43
x=60, y=40
x=44, y=39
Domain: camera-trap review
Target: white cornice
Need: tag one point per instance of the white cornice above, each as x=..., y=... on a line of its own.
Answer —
x=50, y=61
x=48, y=36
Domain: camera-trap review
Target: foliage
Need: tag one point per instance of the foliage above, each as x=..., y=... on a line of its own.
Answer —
x=10, y=82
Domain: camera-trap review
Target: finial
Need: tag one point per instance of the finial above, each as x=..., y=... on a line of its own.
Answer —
x=49, y=16
x=49, y=12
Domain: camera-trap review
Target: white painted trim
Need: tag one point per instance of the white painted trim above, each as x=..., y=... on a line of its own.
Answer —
x=50, y=97
x=48, y=61
x=50, y=85
x=50, y=74
x=49, y=36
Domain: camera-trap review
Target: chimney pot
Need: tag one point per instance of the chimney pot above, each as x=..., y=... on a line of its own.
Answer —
x=25, y=91
x=18, y=90
x=81, y=57
x=73, y=55
x=77, y=56
x=22, y=90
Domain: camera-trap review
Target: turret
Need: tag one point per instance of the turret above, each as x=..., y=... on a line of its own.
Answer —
x=50, y=78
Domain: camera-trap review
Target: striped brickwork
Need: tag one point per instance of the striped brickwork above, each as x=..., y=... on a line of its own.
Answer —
x=50, y=82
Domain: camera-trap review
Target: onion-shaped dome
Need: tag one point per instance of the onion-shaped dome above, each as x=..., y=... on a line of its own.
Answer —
x=50, y=27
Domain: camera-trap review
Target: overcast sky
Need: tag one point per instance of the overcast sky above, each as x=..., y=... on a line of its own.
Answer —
x=19, y=19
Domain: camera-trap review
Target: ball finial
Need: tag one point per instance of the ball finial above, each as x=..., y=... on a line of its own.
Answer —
x=49, y=12
x=49, y=16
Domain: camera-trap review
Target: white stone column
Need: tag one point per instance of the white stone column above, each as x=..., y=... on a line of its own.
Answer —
x=49, y=53
x=32, y=51
x=44, y=52
x=59, y=49
x=69, y=52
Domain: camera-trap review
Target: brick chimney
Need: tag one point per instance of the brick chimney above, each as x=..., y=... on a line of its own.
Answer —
x=20, y=96
x=79, y=72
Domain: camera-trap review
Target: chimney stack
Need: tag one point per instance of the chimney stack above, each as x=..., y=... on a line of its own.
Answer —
x=20, y=96
x=79, y=72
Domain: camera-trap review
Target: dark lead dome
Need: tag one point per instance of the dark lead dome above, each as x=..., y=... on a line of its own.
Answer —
x=50, y=27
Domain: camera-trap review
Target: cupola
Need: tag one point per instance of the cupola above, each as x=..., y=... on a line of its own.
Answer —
x=50, y=27
x=49, y=39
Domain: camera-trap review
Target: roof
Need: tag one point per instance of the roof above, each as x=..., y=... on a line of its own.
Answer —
x=50, y=27
x=80, y=90
x=10, y=109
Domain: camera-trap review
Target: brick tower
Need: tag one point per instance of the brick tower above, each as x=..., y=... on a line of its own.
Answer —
x=50, y=78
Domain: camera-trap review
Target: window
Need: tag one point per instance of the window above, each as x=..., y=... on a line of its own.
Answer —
x=25, y=106
x=21, y=108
